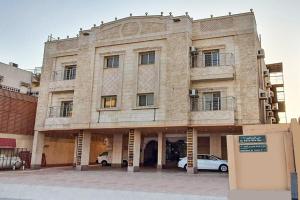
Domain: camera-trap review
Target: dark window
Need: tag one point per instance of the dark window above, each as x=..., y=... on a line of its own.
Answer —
x=211, y=101
x=112, y=61
x=109, y=101
x=70, y=72
x=147, y=58
x=66, y=108
x=211, y=58
x=146, y=99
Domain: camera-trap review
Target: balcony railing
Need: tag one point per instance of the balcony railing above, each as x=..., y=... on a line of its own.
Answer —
x=219, y=60
x=67, y=74
x=60, y=111
x=212, y=104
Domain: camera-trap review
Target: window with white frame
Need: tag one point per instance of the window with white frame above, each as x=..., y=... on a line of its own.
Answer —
x=211, y=101
x=145, y=99
x=111, y=61
x=66, y=108
x=147, y=58
x=211, y=58
x=109, y=101
x=70, y=72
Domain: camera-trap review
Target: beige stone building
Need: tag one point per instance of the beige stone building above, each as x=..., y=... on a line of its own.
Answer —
x=151, y=89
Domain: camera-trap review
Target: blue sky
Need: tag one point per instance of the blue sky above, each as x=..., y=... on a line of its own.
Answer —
x=25, y=25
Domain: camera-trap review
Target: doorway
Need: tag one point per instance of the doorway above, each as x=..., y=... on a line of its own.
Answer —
x=150, y=154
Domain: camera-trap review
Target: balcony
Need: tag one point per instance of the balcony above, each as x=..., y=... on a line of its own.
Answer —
x=63, y=80
x=212, y=67
x=59, y=115
x=216, y=111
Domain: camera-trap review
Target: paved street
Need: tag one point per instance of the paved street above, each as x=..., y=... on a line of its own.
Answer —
x=107, y=183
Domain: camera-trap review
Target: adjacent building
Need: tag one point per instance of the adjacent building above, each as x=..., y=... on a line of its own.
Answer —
x=18, y=101
x=151, y=89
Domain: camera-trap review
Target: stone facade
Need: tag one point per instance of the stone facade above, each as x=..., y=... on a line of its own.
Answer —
x=225, y=53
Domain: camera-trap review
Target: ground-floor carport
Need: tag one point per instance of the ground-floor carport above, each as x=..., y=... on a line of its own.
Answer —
x=156, y=147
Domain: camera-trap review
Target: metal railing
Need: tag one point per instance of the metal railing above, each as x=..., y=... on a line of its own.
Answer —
x=60, y=111
x=67, y=74
x=219, y=60
x=213, y=104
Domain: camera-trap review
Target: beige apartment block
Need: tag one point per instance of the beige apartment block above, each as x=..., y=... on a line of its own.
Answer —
x=150, y=89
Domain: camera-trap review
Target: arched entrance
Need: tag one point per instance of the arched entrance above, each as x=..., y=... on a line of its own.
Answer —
x=150, y=154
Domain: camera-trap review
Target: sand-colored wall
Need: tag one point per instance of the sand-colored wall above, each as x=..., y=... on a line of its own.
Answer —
x=295, y=129
x=262, y=170
x=59, y=151
x=22, y=141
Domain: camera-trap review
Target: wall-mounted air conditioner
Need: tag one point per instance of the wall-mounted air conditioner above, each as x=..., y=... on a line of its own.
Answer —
x=262, y=95
x=268, y=84
x=193, y=93
x=270, y=114
x=268, y=107
x=193, y=50
x=275, y=106
x=266, y=73
x=261, y=53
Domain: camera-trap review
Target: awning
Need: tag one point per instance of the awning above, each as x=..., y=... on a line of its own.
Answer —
x=7, y=143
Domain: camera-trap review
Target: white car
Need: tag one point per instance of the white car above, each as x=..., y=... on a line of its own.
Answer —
x=105, y=159
x=205, y=161
x=13, y=162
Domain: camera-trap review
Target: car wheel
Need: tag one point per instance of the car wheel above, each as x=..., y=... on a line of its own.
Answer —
x=185, y=167
x=104, y=163
x=125, y=163
x=223, y=168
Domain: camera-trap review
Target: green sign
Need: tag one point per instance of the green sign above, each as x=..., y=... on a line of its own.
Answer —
x=253, y=148
x=252, y=139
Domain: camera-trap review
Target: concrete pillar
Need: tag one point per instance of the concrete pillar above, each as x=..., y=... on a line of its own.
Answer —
x=75, y=151
x=215, y=145
x=83, y=150
x=192, y=148
x=37, y=149
x=117, y=150
x=161, y=150
x=134, y=148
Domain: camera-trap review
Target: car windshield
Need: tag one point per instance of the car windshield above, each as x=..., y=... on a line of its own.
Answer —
x=104, y=154
x=214, y=158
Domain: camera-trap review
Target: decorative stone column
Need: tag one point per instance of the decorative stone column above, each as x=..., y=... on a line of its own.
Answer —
x=161, y=150
x=192, y=147
x=37, y=149
x=134, y=148
x=83, y=150
x=215, y=145
x=117, y=150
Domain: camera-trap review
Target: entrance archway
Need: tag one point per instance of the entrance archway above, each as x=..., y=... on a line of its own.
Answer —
x=150, y=154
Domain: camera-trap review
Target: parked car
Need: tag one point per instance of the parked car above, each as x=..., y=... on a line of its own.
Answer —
x=13, y=162
x=206, y=161
x=105, y=159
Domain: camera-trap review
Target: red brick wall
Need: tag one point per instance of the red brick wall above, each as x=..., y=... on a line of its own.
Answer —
x=17, y=113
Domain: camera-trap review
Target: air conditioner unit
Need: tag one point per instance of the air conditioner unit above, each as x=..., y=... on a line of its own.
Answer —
x=268, y=107
x=261, y=53
x=193, y=93
x=262, y=95
x=193, y=50
x=275, y=106
x=266, y=73
x=271, y=93
x=268, y=83
x=270, y=114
